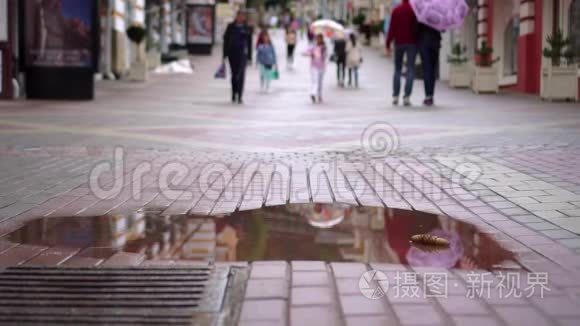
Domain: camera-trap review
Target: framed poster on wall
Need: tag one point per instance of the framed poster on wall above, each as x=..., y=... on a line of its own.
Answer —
x=59, y=33
x=3, y=20
x=1, y=71
x=59, y=46
x=200, y=24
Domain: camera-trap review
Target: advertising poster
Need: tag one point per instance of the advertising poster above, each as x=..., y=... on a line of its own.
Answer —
x=3, y=20
x=58, y=33
x=200, y=24
x=1, y=70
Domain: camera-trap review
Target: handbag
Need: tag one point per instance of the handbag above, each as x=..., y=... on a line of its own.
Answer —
x=274, y=74
x=333, y=57
x=220, y=72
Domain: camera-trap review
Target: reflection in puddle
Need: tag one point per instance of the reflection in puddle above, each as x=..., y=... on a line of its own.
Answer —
x=292, y=232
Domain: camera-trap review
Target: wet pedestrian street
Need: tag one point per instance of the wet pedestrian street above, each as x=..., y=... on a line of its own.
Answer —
x=283, y=212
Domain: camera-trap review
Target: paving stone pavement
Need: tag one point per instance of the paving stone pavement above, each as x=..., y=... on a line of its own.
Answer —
x=507, y=163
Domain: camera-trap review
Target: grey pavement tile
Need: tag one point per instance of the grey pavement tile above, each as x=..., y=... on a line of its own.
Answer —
x=524, y=200
x=475, y=321
x=527, y=219
x=549, y=215
x=514, y=211
x=571, y=243
x=522, y=316
x=559, y=234
x=542, y=226
x=571, y=212
x=549, y=206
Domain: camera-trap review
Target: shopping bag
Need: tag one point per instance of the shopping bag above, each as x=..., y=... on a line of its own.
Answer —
x=333, y=57
x=220, y=72
x=274, y=74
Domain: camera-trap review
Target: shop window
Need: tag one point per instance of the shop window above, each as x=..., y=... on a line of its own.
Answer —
x=574, y=27
x=510, y=55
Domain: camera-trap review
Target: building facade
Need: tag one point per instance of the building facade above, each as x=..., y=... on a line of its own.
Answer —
x=517, y=31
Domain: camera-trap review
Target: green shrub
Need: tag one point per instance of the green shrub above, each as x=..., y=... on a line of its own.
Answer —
x=359, y=19
x=559, y=47
x=484, y=54
x=136, y=33
x=457, y=56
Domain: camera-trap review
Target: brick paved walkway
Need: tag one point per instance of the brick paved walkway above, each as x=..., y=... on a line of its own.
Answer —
x=506, y=163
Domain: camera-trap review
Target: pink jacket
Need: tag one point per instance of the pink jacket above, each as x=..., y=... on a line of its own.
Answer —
x=317, y=56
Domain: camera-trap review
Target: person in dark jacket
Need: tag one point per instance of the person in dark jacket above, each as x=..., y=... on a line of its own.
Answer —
x=340, y=59
x=238, y=50
x=429, y=41
x=403, y=31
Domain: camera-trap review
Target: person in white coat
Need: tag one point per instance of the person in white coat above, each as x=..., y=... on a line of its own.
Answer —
x=353, y=59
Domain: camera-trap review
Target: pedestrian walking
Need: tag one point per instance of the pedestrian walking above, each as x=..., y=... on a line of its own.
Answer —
x=263, y=33
x=266, y=58
x=403, y=32
x=309, y=33
x=429, y=42
x=238, y=49
x=291, y=39
x=294, y=23
x=317, y=53
x=353, y=59
x=339, y=57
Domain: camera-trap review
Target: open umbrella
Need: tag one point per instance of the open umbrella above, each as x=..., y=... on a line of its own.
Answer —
x=440, y=14
x=328, y=28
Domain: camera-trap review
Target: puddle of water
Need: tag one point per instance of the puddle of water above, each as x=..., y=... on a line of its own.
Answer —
x=291, y=232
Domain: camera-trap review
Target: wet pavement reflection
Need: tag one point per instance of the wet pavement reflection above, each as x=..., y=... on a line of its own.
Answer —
x=324, y=232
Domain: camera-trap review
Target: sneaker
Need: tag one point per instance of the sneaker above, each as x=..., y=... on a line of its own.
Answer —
x=240, y=100
x=406, y=101
x=395, y=101
x=428, y=102
x=313, y=98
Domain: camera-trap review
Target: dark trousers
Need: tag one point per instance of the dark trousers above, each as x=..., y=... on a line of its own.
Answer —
x=238, y=68
x=340, y=70
x=290, y=52
x=410, y=51
x=430, y=62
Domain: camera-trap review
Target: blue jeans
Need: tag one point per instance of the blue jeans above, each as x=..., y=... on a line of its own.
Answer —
x=410, y=50
x=430, y=62
x=353, y=73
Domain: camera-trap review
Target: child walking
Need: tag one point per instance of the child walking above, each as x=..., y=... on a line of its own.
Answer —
x=317, y=53
x=267, y=62
x=353, y=59
x=290, y=46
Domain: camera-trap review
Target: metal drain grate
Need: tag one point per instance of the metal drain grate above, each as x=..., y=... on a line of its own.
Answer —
x=112, y=296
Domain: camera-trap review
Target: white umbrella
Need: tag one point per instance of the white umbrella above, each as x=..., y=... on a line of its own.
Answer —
x=328, y=28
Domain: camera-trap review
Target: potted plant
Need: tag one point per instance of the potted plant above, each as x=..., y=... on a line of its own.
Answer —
x=459, y=72
x=359, y=19
x=138, y=72
x=485, y=77
x=559, y=79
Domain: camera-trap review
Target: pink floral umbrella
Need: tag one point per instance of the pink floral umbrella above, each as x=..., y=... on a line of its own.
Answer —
x=440, y=14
